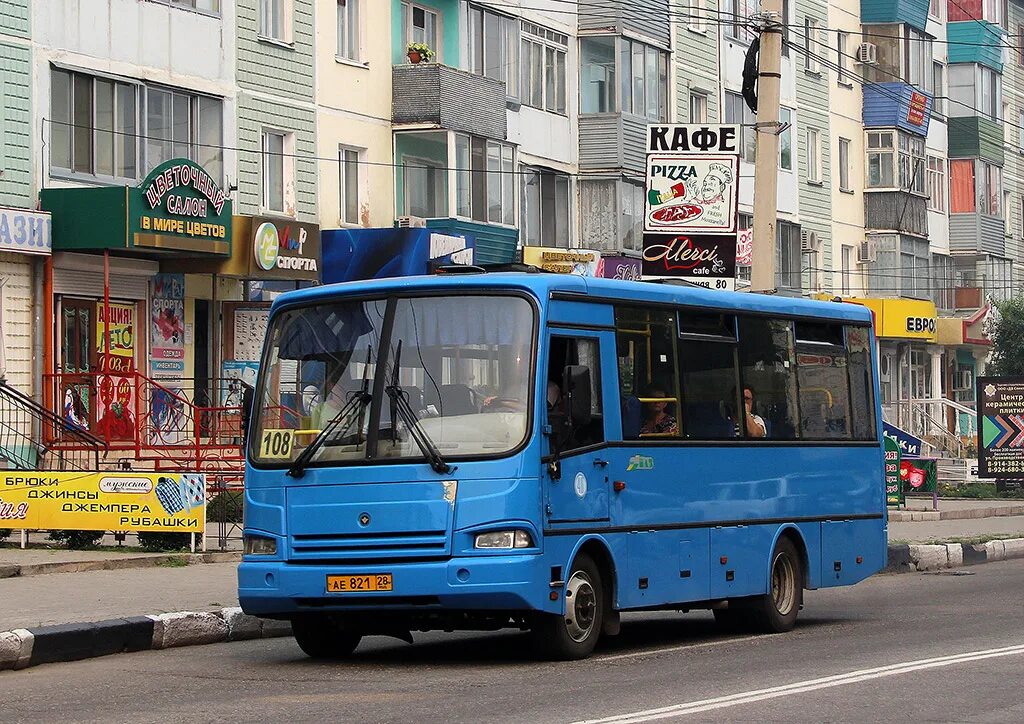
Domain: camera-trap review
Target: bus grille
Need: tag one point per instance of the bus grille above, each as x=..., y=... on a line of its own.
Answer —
x=357, y=546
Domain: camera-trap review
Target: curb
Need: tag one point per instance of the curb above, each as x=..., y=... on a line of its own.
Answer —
x=907, y=558
x=22, y=648
x=116, y=564
x=908, y=516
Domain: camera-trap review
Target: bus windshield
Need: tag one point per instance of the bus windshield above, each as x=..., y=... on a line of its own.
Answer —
x=454, y=370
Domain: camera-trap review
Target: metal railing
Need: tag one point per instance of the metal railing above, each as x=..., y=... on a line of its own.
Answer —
x=925, y=418
x=35, y=438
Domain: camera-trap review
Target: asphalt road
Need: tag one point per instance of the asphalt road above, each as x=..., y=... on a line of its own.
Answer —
x=912, y=647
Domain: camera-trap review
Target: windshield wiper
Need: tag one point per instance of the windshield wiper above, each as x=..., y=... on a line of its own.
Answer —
x=400, y=404
x=352, y=411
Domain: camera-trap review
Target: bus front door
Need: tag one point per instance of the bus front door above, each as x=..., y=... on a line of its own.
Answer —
x=577, y=489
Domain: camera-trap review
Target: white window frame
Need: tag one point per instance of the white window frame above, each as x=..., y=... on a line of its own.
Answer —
x=287, y=171
x=547, y=46
x=195, y=6
x=344, y=160
x=811, y=45
x=697, y=20
x=843, y=59
x=786, y=116
x=936, y=9
x=844, y=165
x=845, y=269
x=813, y=139
x=937, y=184
x=698, y=107
x=268, y=33
x=534, y=209
x=349, y=13
x=407, y=14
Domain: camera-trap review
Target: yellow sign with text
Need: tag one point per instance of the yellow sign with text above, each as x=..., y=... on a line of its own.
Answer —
x=103, y=501
x=899, y=318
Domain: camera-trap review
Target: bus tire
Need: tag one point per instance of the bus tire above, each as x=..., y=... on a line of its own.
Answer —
x=574, y=635
x=323, y=637
x=776, y=611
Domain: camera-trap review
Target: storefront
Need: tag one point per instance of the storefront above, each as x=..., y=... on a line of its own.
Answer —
x=966, y=346
x=116, y=312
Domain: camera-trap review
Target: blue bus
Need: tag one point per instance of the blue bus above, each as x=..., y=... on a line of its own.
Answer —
x=544, y=452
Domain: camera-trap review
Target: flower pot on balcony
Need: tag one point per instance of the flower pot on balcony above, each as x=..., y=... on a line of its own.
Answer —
x=414, y=57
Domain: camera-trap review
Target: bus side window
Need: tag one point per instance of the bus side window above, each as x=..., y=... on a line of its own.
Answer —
x=566, y=351
x=768, y=368
x=648, y=380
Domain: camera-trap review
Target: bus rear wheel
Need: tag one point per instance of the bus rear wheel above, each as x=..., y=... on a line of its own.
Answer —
x=776, y=611
x=573, y=635
x=322, y=636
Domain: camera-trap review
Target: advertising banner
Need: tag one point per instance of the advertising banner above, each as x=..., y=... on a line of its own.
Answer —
x=621, y=267
x=582, y=262
x=354, y=254
x=103, y=501
x=120, y=327
x=893, y=486
x=744, y=246
x=1001, y=427
x=167, y=325
x=708, y=260
x=24, y=231
x=691, y=193
x=284, y=249
x=920, y=475
x=910, y=446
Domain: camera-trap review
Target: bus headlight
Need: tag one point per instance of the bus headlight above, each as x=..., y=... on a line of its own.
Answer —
x=258, y=545
x=503, y=539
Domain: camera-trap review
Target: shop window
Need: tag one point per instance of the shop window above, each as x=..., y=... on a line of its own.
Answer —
x=348, y=30
x=543, y=68
x=823, y=381
x=546, y=209
x=648, y=384
x=767, y=368
x=349, y=175
x=494, y=47
x=421, y=25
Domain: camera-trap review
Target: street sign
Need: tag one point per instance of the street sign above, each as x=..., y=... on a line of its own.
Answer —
x=1001, y=427
x=893, y=488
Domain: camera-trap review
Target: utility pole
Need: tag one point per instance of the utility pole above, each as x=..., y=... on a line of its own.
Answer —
x=766, y=171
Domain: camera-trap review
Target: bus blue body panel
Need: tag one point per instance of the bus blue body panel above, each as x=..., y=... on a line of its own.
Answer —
x=679, y=523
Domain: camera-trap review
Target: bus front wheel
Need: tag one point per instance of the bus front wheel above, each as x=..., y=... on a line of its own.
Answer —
x=573, y=635
x=323, y=637
x=776, y=611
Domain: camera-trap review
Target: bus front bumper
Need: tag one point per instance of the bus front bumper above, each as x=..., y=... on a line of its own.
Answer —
x=479, y=583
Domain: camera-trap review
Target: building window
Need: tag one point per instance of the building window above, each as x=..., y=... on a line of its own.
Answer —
x=639, y=72
x=206, y=6
x=812, y=62
x=939, y=89
x=698, y=107
x=276, y=192
x=696, y=14
x=736, y=111
x=274, y=19
x=813, y=155
x=989, y=92
x=1020, y=226
x=936, y=184
x=975, y=186
x=935, y=9
x=1008, y=225
x=348, y=30
x=900, y=167
x=918, y=54
x=494, y=47
x=348, y=184
x=420, y=25
x=485, y=180
x=788, y=256
x=844, y=164
x=842, y=57
x=740, y=10
x=846, y=270
x=786, y=139
x=990, y=188
x=546, y=209
x=1020, y=45
x=543, y=65
x=96, y=127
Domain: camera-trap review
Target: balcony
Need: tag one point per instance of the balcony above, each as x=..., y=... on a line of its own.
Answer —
x=613, y=141
x=976, y=137
x=977, y=233
x=974, y=41
x=900, y=211
x=897, y=105
x=911, y=12
x=448, y=98
x=968, y=297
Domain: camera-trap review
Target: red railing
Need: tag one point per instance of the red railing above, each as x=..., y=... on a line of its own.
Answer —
x=167, y=423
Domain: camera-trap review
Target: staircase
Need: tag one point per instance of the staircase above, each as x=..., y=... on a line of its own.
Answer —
x=35, y=438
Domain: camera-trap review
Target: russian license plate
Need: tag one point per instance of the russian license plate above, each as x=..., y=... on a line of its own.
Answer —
x=359, y=584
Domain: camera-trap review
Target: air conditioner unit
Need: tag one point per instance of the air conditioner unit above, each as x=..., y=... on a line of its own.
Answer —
x=411, y=222
x=867, y=251
x=867, y=53
x=808, y=242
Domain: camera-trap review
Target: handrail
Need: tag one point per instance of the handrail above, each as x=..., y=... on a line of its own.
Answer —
x=33, y=427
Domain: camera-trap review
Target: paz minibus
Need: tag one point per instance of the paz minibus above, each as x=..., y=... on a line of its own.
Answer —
x=546, y=452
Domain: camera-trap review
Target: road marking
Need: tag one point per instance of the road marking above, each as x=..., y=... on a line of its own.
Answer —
x=682, y=647
x=853, y=677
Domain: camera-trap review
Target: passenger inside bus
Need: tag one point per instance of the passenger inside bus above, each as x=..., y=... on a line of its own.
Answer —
x=657, y=419
x=753, y=425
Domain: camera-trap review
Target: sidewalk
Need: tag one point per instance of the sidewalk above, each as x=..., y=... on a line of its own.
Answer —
x=956, y=519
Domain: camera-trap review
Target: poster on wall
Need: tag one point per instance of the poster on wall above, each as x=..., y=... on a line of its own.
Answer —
x=707, y=260
x=237, y=374
x=167, y=325
x=120, y=328
x=250, y=329
x=115, y=391
x=1001, y=427
x=621, y=267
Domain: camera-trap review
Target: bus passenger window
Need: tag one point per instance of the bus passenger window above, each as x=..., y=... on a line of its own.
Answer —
x=563, y=352
x=768, y=369
x=648, y=383
x=862, y=404
x=709, y=388
x=823, y=381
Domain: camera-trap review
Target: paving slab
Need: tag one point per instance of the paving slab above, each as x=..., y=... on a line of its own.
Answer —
x=934, y=531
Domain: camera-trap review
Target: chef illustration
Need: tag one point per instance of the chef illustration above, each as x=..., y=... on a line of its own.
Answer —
x=714, y=194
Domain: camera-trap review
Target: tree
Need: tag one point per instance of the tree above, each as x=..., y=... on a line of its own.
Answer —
x=1007, y=335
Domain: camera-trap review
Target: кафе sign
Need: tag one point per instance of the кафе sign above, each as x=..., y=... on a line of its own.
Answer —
x=178, y=207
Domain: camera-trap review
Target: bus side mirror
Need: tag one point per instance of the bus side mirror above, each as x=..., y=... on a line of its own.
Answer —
x=576, y=383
